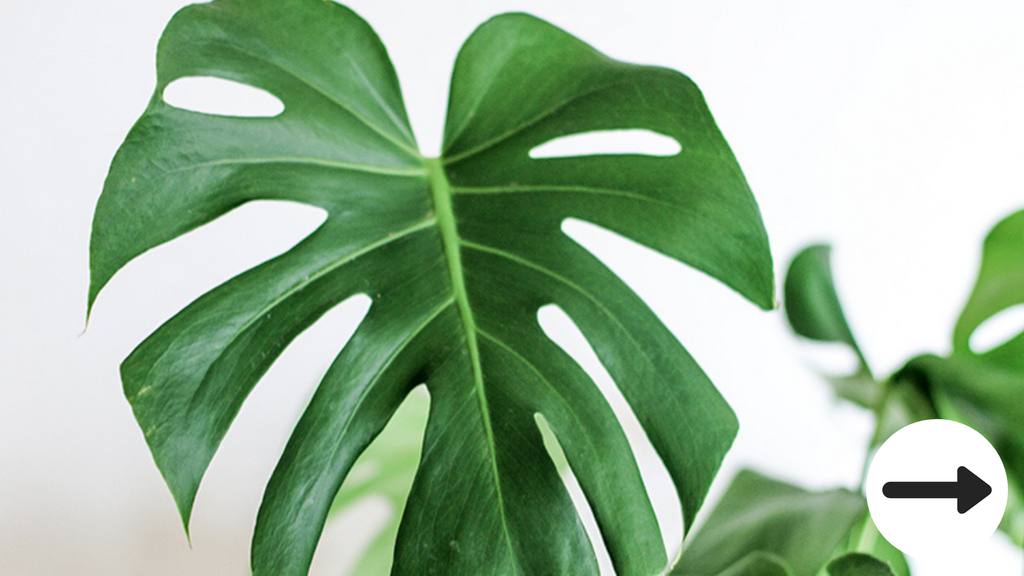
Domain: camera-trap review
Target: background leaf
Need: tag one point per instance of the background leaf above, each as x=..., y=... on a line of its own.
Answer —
x=984, y=390
x=857, y=564
x=759, y=514
x=865, y=538
x=759, y=564
x=814, y=311
x=457, y=255
x=999, y=286
x=386, y=469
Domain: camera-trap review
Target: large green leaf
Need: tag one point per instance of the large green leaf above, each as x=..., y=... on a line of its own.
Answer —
x=759, y=514
x=457, y=254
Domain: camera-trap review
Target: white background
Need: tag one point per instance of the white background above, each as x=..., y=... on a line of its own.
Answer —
x=892, y=130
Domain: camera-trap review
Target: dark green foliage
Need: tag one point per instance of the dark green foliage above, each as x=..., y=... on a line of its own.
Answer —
x=457, y=253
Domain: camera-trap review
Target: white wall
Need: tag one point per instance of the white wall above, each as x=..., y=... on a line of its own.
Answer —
x=893, y=132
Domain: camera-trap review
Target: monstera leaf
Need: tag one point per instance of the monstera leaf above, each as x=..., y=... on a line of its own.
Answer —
x=457, y=254
x=981, y=389
x=814, y=312
x=765, y=526
x=984, y=390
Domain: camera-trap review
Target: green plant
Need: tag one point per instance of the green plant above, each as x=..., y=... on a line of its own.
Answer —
x=979, y=388
x=457, y=253
x=760, y=527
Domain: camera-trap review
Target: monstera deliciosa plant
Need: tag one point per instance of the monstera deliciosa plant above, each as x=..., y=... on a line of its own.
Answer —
x=978, y=385
x=457, y=253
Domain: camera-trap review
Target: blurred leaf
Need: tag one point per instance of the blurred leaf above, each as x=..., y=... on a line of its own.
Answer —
x=858, y=564
x=905, y=400
x=759, y=514
x=387, y=469
x=458, y=254
x=759, y=564
x=983, y=396
x=865, y=538
x=1012, y=523
x=814, y=311
x=1000, y=285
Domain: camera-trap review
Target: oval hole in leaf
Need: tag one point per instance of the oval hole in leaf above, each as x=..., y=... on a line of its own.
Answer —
x=608, y=142
x=830, y=358
x=998, y=329
x=222, y=97
x=560, y=328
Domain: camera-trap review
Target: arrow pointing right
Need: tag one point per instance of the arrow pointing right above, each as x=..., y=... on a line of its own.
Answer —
x=968, y=489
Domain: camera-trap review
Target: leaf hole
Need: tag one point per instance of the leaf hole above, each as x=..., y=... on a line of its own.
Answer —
x=645, y=142
x=382, y=475
x=998, y=329
x=560, y=328
x=579, y=499
x=210, y=95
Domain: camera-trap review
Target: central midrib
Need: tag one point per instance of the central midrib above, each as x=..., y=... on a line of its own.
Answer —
x=440, y=190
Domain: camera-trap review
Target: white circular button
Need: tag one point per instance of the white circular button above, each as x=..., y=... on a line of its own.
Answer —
x=936, y=488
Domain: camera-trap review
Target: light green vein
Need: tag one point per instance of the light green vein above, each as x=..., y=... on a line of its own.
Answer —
x=445, y=214
x=577, y=189
x=295, y=288
x=304, y=160
x=537, y=118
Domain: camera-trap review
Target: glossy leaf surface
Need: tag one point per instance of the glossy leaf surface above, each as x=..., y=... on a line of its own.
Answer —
x=814, y=311
x=759, y=514
x=457, y=255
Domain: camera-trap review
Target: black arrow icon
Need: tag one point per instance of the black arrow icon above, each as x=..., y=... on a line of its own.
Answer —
x=968, y=489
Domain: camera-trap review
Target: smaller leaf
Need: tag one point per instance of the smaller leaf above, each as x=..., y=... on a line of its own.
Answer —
x=986, y=397
x=980, y=395
x=759, y=514
x=814, y=312
x=866, y=538
x=1000, y=285
x=857, y=564
x=906, y=400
